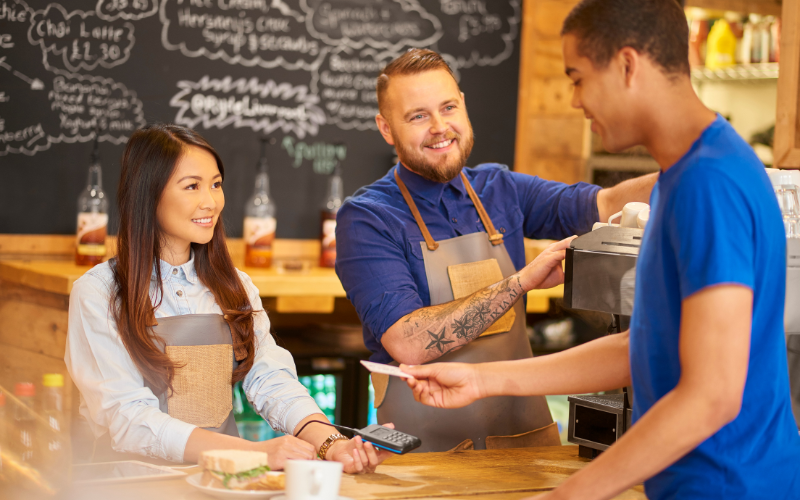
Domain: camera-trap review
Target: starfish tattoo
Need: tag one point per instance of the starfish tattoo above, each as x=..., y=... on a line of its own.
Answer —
x=438, y=340
x=461, y=327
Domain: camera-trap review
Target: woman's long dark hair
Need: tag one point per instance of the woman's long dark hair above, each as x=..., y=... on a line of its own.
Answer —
x=147, y=164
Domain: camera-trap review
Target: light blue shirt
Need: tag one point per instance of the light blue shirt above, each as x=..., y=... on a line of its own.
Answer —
x=114, y=398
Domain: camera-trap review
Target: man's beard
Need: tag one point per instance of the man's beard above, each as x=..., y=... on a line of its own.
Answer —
x=444, y=170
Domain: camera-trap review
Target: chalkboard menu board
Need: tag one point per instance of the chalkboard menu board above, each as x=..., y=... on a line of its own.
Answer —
x=301, y=71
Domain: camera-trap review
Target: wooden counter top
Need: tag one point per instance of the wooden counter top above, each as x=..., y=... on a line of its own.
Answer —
x=44, y=262
x=494, y=474
x=58, y=276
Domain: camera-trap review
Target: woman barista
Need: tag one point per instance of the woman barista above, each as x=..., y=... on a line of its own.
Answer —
x=158, y=334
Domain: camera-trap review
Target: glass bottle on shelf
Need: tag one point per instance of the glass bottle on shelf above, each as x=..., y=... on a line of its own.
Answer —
x=25, y=422
x=90, y=246
x=53, y=407
x=259, y=220
x=333, y=201
x=56, y=446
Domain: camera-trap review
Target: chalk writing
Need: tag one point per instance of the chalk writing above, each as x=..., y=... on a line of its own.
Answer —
x=85, y=103
x=246, y=32
x=478, y=32
x=14, y=11
x=79, y=105
x=130, y=10
x=323, y=156
x=35, y=83
x=263, y=107
x=81, y=39
x=356, y=24
x=346, y=83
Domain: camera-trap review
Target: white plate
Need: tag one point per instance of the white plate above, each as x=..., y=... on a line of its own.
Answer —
x=283, y=497
x=231, y=494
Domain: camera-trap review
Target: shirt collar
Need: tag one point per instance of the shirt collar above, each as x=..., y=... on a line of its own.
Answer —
x=186, y=270
x=426, y=189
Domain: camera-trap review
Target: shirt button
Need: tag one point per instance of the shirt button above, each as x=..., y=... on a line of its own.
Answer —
x=179, y=293
x=502, y=230
x=454, y=219
x=175, y=270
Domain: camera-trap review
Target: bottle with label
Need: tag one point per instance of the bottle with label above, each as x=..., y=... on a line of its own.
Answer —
x=24, y=422
x=92, y=216
x=721, y=46
x=259, y=220
x=53, y=406
x=55, y=446
x=327, y=256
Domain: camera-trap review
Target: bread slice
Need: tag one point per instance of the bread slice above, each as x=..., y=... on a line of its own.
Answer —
x=266, y=481
x=232, y=461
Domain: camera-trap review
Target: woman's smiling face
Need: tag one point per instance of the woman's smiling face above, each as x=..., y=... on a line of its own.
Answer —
x=191, y=203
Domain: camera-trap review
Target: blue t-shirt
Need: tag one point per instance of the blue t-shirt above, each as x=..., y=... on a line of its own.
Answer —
x=378, y=256
x=715, y=219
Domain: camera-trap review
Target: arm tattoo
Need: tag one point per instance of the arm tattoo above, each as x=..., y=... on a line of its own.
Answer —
x=440, y=329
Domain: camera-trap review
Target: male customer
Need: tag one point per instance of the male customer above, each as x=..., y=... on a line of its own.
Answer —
x=705, y=350
x=432, y=256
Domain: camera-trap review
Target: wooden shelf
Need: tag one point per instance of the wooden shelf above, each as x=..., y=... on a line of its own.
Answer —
x=746, y=73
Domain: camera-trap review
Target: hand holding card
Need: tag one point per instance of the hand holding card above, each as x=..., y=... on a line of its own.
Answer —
x=385, y=369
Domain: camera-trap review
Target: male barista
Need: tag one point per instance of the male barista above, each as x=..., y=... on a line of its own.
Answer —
x=705, y=351
x=432, y=256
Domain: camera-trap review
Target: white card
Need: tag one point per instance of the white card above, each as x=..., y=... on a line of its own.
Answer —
x=385, y=369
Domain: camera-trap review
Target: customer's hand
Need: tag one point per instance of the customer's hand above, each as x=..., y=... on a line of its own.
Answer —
x=357, y=456
x=545, y=270
x=284, y=448
x=444, y=385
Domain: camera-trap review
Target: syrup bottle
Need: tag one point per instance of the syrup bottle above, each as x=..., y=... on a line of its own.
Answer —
x=327, y=257
x=259, y=220
x=90, y=246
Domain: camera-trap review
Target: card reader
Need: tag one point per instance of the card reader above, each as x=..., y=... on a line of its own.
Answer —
x=385, y=438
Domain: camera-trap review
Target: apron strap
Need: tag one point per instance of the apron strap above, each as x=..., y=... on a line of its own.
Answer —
x=495, y=237
x=432, y=245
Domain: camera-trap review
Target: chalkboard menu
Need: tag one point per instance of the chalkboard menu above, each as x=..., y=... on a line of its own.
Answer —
x=301, y=71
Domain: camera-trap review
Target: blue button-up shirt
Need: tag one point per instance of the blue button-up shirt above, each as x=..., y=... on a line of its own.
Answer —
x=378, y=255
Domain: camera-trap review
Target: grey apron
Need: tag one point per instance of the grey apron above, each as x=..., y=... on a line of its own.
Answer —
x=444, y=429
x=202, y=347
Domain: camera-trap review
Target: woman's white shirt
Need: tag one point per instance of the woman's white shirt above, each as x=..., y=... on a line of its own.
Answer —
x=114, y=398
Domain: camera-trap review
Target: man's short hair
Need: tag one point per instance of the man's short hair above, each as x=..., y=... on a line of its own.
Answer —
x=413, y=62
x=657, y=28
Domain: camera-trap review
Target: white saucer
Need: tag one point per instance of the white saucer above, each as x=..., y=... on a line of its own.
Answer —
x=231, y=494
x=283, y=497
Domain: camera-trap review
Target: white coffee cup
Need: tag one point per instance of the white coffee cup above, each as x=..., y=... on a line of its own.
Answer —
x=629, y=213
x=643, y=217
x=312, y=479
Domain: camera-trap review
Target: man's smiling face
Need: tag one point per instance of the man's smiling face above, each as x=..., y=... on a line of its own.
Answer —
x=426, y=121
x=602, y=94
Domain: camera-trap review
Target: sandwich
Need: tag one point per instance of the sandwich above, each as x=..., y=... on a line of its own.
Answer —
x=239, y=470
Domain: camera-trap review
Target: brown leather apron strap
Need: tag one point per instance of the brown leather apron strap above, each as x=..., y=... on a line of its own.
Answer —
x=432, y=245
x=495, y=237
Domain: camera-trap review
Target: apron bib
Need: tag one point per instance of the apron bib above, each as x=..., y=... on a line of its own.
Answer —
x=201, y=346
x=457, y=267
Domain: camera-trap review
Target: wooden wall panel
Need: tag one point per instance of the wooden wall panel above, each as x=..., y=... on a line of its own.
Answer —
x=552, y=137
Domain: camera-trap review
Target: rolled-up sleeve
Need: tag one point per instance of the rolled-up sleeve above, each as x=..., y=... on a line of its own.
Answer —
x=372, y=265
x=271, y=385
x=113, y=390
x=554, y=210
